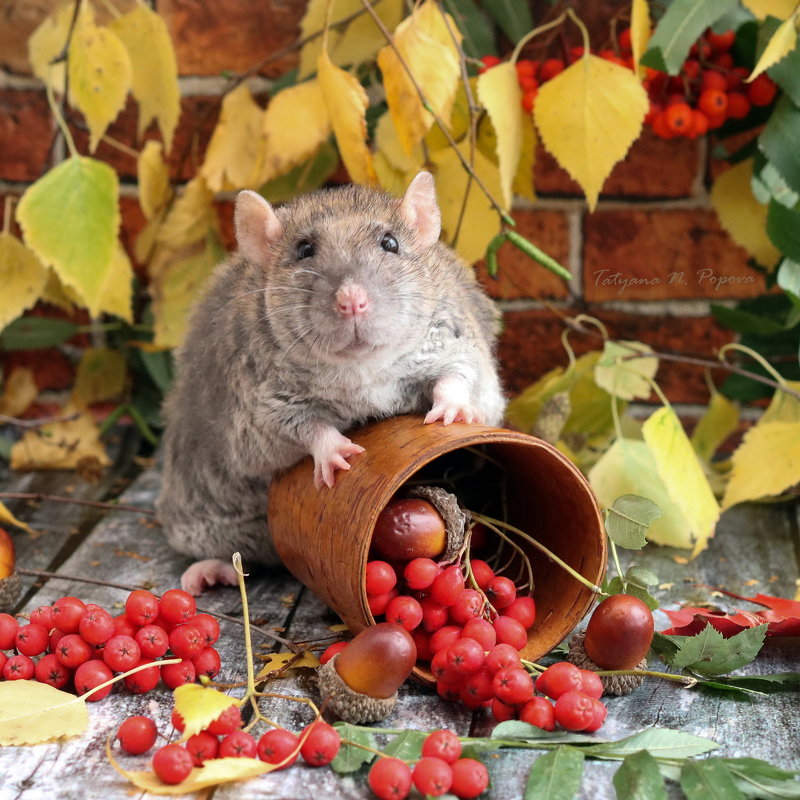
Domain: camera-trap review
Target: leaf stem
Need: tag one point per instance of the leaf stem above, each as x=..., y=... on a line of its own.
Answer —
x=535, y=32
x=687, y=681
x=62, y=125
x=615, y=556
x=248, y=642
x=756, y=357
x=587, y=46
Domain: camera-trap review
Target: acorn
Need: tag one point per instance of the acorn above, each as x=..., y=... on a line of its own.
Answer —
x=360, y=683
x=10, y=583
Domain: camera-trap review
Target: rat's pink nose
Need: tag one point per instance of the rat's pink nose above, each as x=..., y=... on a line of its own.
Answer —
x=352, y=300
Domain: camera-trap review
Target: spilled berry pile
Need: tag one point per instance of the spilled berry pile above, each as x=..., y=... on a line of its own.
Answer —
x=72, y=644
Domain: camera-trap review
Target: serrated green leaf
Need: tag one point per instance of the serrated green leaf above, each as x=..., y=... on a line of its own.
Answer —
x=789, y=278
x=780, y=44
x=351, y=758
x=786, y=73
x=710, y=653
x=708, y=779
x=664, y=646
x=407, y=746
x=512, y=731
x=33, y=333
x=783, y=228
x=679, y=28
x=780, y=141
x=640, y=576
x=639, y=778
x=628, y=520
x=556, y=775
x=642, y=594
x=659, y=742
x=70, y=218
x=623, y=376
x=513, y=18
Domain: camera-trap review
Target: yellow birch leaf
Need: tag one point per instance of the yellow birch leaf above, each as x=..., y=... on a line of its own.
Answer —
x=55, y=293
x=628, y=467
x=640, y=32
x=213, y=772
x=782, y=42
x=588, y=117
x=766, y=463
x=182, y=276
x=116, y=296
x=479, y=223
x=190, y=217
x=19, y=391
x=295, y=124
x=200, y=706
x=7, y=518
x=435, y=64
x=500, y=95
x=783, y=407
x=33, y=712
x=347, y=104
x=718, y=422
x=22, y=277
x=362, y=38
x=70, y=218
x=742, y=216
x=60, y=445
x=235, y=153
x=780, y=9
x=153, y=179
x=523, y=184
x=100, y=376
x=48, y=41
x=146, y=39
x=390, y=179
x=388, y=144
x=145, y=243
x=623, y=376
x=314, y=22
x=99, y=77
x=682, y=474
x=278, y=661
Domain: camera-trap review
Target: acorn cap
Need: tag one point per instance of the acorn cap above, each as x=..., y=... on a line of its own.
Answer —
x=455, y=520
x=347, y=704
x=612, y=684
x=10, y=589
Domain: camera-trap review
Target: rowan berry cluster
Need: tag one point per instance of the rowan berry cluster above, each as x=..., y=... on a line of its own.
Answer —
x=709, y=90
x=72, y=643
x=317, y=744
x=441, y=770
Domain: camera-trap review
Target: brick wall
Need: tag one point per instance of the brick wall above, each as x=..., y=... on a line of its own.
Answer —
x=647, y=262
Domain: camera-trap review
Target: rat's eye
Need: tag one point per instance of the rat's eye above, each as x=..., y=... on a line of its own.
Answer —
x=389, y=243
x=305, y=249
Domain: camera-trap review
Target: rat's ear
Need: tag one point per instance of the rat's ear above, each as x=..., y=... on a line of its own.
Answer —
x=421, y=211
x=256, y=224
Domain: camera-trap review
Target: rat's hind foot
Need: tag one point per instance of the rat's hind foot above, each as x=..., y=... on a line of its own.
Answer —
x=204, y=574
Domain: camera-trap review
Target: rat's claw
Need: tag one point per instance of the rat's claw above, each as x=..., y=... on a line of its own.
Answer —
x=332, y=455
x=449, y=413
x=206, y=573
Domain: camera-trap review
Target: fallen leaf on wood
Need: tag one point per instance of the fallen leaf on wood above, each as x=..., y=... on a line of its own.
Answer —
x=33, y=712
x=782, y=616
x=279, y=661
x=199, y=707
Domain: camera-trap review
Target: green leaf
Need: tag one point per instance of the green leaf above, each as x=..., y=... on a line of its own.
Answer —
x=615, y=586
x=350, y=758
x=759, y=779
x=625, y=377
x=628, y=520
x=780, y=141
x=710, y=653
x=744, y=321
x=6, y=443
x=659, y=742
x=512, y=731
x=33, y=333
x=556, y=775
x=679, y=28
x=708, y=779
x=407, y=746
x=789, y=278
x=783, y=228
x=640, y=576
x=774, y=185
x=305, y=177
x=643, y=595
x=513, y=17
x=475, y=25
x=159, y=367
x=786, y=73
x=665, y=647
x=762, y=684
x=639, y=778
x=70, y=218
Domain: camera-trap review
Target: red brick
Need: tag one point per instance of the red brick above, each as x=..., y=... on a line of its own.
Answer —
x=672, y=253
x=225, y=217
x=214, y=36
x=19, y=19
x=520, y=276
x=530, y=346
x=653, y=168
x=26, y=133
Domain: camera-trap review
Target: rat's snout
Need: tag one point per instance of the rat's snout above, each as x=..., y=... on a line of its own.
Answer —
x=351, y=300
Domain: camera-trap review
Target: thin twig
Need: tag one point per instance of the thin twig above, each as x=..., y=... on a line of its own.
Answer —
x=37, y=573
x=36, y=423
x=38, y=497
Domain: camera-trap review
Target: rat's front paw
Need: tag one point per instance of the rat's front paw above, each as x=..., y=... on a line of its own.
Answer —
x=203, y=574
x=453, y=412
x=331, y=453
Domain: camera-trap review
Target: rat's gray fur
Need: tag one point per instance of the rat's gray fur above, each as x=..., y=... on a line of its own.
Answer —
x=268, y=362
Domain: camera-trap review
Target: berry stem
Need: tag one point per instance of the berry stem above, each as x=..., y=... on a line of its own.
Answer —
x=248, y=642
x=493, y=523
x=687, y=681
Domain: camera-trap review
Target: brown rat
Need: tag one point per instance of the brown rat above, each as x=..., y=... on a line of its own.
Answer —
x=341, y=306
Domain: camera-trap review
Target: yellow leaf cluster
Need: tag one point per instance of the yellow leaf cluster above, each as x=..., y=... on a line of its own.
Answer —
x=22, y=276
x=19, y=391
x=100, y=376
x=623, y=376
x=153, y=179
x=33, y=712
